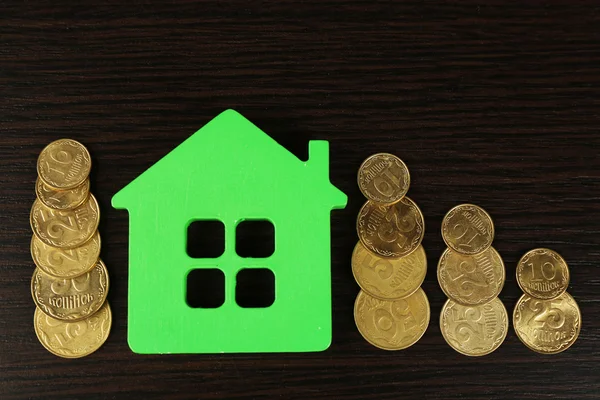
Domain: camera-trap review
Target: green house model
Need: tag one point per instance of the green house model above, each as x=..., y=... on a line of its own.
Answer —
x=230, y=172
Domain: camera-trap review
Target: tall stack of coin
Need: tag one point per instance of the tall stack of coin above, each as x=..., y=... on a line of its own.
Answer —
x=546, y=318
x=471, y=273
x=389, y=264
x=69, y=286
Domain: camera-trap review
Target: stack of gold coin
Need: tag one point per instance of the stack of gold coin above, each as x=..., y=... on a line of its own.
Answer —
x=389, y=264
x=473, y=321
x=546, y=318
x=69, y=286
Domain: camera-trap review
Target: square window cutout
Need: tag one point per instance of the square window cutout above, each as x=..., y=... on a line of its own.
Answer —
x=205, y=239
x=255, y=288
x=255, y=238
x=205, y=288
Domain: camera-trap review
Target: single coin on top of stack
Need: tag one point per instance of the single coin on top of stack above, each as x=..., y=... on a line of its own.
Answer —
x=389, y=264
x=546, y=318
x=69, y=286
x=473, y=321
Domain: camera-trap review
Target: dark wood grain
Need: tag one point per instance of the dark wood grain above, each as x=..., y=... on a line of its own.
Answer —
x=494, y=104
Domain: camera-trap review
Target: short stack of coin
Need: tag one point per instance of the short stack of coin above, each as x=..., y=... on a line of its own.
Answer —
x=69, y=286
x=546, y=318
x=389, y=264
x=473, y=321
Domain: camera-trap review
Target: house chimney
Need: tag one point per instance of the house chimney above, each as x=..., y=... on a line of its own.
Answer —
x=318, y=154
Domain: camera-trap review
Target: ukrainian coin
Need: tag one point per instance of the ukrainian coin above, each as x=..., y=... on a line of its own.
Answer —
x=474, y=330
x=62, y=199
x=386, y=278
x=65, y=229
x=70, y=299
x=63, y=263
x=383, y=178
x=392, y=324
x=547, y=326
x=73, y=339
x=391, y=230
x=64, y=164
x=471, y=280
x=468, y=229
x=543, y=274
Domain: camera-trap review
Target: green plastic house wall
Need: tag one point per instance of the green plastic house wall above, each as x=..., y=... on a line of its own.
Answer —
x=231, y=171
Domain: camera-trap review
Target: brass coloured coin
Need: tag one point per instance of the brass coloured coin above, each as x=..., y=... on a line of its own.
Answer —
x=73, y=339
x=547, y=326
x=471, y=280
x=387, y=278
x=64, y=263
x=383, y=178
x=70, y=299
x=543, y=273
x=474, y=330
x=65, y=229
x=391, y=230
x=468, y=229
x=64, y=164
x=392, y=324
x=62, y=199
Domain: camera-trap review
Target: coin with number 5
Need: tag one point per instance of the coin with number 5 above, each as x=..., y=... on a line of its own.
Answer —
x=388, y=278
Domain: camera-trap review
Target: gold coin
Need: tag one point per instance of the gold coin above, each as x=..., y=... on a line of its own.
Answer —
x=62, y=199
x=543, y=273
x=468, y=229
x=474, y=330
x=64, y=164
x=471, y=280
x=70, y=299
x=65, y=229
x=547, y=326
x=388, y=279
x=383, y=178
x=391, y=231
x=63, y=263
x=392, y=324
x=73, y=339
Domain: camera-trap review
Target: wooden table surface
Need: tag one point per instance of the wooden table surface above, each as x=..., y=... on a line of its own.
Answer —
x=497, y=105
